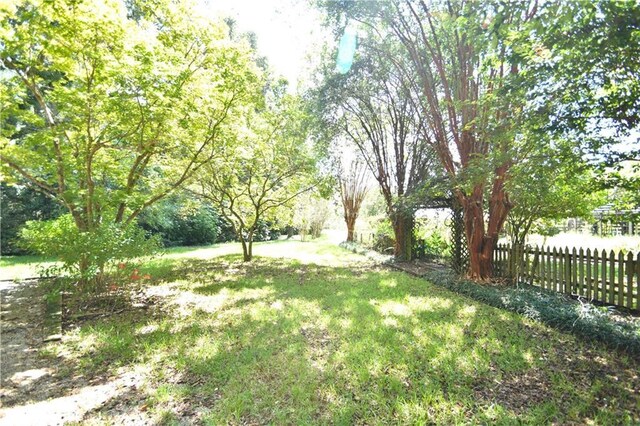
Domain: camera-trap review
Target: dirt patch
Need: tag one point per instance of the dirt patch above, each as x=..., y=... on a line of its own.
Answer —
x=34, y=387
x=21, y=335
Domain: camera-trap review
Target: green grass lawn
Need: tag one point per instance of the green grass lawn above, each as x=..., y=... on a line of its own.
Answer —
x=22, y=267
x=309, y=333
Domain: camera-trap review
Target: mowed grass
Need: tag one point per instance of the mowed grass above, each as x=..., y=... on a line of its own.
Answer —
x=324, y=337
x=22, y=267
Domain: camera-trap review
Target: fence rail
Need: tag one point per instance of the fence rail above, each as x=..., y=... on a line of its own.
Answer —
x=611, y=278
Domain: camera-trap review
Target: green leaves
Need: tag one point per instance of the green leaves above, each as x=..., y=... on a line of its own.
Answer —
x=110, y=106
x=268, y=166
x=85, y=255
x=112, y=96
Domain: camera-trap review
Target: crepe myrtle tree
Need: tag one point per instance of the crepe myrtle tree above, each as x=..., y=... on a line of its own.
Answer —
x=463, y=71
x=353, y=189
x=372, y=107
x=490, y=74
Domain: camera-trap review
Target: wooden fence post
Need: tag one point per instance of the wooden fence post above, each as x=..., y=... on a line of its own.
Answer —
x=637, y=268
x=567, y=270
x=543, y=266
x=612, y=277
x=589, y=282
x=629, y=270
x=549, y=270
x=620, y=279
x=535, y=266
x=574, y=272
x=603, y=277
x=596, y=275
x=554, y=285
x=581, y=283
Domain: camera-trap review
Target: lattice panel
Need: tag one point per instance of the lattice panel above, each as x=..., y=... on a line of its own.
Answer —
x=460, y=250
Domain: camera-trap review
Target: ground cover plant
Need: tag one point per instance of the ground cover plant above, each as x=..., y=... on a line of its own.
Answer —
x=585, y=319
x=328, y=337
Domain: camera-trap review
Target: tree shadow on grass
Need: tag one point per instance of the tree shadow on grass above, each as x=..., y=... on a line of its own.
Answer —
x=275, y=341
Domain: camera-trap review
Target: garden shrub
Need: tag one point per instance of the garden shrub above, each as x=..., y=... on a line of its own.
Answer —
x=432, y=246
x=87, y=257
x=384, y=238
x=266, y=231
x=557, y=310
x=430, y=239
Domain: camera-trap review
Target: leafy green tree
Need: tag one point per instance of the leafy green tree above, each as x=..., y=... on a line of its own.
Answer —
x=468, y=72
x=87, y=254
x=183, y=220
x=270, y=166
x=587, y=56
x=551, y=186
x=490, y=75
x=622, y=184
x=108, y=110
x=310, y=214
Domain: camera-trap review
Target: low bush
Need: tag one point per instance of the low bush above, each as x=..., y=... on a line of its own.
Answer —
x=372, y=254
x=557, y=310
x=431, y=246
x=87, y=259
x=19, y=205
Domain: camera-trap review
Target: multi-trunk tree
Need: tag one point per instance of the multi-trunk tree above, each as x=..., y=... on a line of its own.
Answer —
x=492, y=76
x=109, y=107
x=270, y=164
x=353, y=188
x=464, y=69
x=373, y=107
x=465, y=57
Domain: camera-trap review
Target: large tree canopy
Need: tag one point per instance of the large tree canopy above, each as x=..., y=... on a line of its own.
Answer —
x=490, y=77
x=108, y=114
x=108, y=109
x=372, y=106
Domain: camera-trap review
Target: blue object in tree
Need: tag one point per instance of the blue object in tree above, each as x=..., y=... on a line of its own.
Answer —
x=346, y=50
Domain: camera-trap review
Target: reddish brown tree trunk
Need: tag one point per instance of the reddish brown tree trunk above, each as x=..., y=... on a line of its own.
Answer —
x=403, y=233
x=481, y=242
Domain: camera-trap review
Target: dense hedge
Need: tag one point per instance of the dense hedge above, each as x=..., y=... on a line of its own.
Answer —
x=557, y=310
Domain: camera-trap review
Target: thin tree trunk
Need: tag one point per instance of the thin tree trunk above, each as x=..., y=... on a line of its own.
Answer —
x=245, y=250
x=247, y=247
